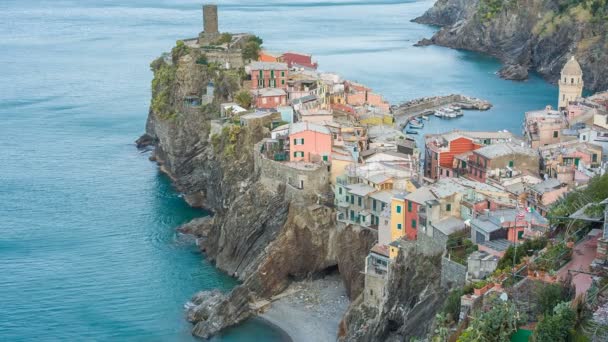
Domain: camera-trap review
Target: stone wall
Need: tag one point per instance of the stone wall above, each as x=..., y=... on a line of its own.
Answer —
x=234, y=58
x=274, y=174
x=453, y=274
x=373, y=294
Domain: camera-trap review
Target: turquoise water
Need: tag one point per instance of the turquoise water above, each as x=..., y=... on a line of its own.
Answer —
x=87, y=246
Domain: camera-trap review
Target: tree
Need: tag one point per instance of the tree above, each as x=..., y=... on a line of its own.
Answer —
x=244, y=99
x=251, y=50
x=557, y=327
x=550, y=295
x=180, y=50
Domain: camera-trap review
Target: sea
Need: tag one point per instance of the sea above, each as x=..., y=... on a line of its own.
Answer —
x=88, y=250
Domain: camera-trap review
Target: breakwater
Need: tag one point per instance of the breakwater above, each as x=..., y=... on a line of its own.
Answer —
x=427, y=105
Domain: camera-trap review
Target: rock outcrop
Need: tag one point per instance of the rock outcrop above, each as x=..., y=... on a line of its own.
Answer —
x=536, y=35
x=257, y=233
x=414, y=295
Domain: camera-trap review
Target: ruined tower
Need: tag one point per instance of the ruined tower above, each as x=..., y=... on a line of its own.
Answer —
x=210, y=26
x=570, y=83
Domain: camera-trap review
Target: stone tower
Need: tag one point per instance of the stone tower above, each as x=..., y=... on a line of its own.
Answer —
x=210, y=19
x=570, y=83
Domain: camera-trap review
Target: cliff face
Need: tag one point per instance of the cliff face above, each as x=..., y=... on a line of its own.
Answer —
x=257, y=233
x=537, y=35
x=414, y=296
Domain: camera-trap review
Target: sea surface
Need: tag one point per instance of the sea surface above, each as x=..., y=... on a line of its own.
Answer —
x=88, y=249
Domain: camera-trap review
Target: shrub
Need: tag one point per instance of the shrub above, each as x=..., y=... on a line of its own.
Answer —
x=550, y=295
x=451, y=308
x=180, y=50
x=251, y=50
x=244, y=99
x=556, y=327
x=497, y=324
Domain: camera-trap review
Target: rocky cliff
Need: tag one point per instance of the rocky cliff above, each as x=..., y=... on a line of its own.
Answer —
x=414, y=295
x=528, y=35
x=257, y=233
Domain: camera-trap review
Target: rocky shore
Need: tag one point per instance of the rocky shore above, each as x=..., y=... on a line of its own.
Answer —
x=526, y=35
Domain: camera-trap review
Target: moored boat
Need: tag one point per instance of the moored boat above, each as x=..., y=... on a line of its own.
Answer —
x=411, y=132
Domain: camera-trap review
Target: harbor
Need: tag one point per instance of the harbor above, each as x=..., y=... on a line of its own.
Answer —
x=412, y=115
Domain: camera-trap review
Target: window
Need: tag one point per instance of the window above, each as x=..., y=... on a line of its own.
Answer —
x=325, y=158
x=414, y=224
x=359, y=201
x=409, y=206
x=555, y=134
x=584, y=138
x=520, y=235
x=282, y=81
x=352, y=199
x=302, y=141
x=485, y=163
x=447, y=173
x=511, y=163
x=448, y=207
x=264, y=100
x=398, y=209
x=374, y=205
x=594, y=158
x=283, y=74
x=399, y=226
x=261, y=75
x=382, y=207
x=572, y=81
x=271, y=73
x=295, y=141
x=340, y=191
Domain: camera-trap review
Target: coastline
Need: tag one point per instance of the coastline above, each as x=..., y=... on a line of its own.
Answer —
x=312, y=312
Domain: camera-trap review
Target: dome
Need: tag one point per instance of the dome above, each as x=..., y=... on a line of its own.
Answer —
x=572, y=68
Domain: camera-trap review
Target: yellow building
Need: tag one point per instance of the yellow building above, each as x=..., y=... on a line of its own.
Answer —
x=398, y=217
x=571, y=83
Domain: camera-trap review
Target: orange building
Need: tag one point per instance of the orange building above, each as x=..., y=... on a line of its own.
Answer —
x=440, y=152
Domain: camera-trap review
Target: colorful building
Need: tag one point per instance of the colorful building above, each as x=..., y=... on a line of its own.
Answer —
x=398, y=216
x=309, y=142
x=441, y=150
x=269, y=98
x=268, y=75
x=499, y=160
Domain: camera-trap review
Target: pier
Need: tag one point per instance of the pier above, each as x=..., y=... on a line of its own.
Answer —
x=427, y=106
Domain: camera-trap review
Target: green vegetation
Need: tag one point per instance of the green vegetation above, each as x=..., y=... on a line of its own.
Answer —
x=451, y=308
x=202, y=60
x=180, y=50
x=554, y=258
x=224, y=38
x=527, y=248
x=595, y=192
x=488, y=9
x=556, y=327
x=252, y=48
x=550, y=295
x=162, y=84
x=497, y=324
x=243, y=98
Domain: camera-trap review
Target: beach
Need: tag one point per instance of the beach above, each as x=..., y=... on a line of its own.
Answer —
x=312, y=311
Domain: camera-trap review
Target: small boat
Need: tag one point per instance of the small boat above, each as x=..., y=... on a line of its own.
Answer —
x=424, y=117
x=416, y=124
x=451, y=115
x=411, y=132
x=439, y=113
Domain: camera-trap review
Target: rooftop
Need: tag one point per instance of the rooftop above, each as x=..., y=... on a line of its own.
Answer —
x=504, y=149
x=269, y=92
x=449, y=225
x=268, y=66
x=547, y=185
x=360, y=189
x=421, y=195
x=257, y=114
x=384, y=196
x=379, y=178
x=307, y=126
x=380, y=250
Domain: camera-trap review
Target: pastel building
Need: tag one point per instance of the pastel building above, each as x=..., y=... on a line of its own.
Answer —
x=269, y=98
x=309, y=142
x=268, y=75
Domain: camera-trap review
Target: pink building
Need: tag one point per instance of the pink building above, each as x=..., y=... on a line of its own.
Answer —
x=268, y=75
x=309, y=142
x=574, y=111
x=268, y=98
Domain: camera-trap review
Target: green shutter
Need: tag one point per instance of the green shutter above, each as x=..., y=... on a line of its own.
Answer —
x=399, y=226
x=340, y=191
x=448, y=207
x=511, y=163
x=409, y=206
x=295, y=154
x=359, y=201
x=302, y=141
x=413, y=223
x=594, y=158
x=398, y=209
x=374, y=204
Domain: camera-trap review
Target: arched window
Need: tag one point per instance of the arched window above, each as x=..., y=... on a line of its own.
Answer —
x=572, y=81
